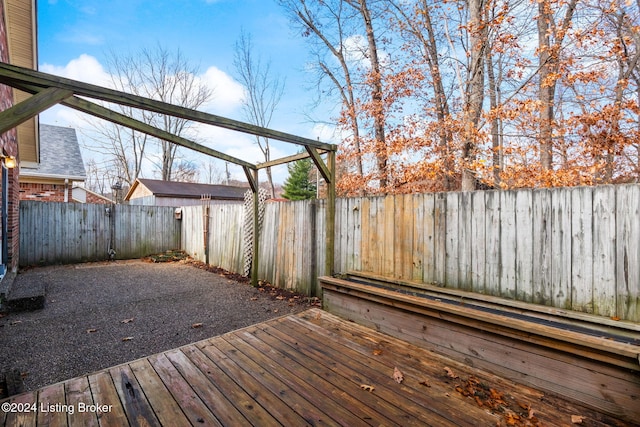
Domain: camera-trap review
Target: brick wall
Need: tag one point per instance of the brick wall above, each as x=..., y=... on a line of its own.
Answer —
x=43, y=192
x=9, y=145
x=92, y=198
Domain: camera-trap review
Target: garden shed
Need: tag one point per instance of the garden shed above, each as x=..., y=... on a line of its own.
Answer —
x=155, y=192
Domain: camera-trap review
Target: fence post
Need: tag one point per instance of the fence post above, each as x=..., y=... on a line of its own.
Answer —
x=313, y=267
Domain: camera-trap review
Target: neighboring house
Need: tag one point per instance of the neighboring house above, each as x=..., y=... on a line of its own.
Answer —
x=82, y=195
x=168, y=193
x=60, y=166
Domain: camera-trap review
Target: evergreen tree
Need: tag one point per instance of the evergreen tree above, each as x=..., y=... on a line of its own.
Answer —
x=298, y=186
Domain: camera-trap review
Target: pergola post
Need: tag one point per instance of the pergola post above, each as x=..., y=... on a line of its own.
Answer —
x=256, y=229
x=331, y=213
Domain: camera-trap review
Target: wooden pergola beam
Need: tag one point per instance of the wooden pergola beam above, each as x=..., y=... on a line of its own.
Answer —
x=287, y=159
x=104, y=113
x=12, y=75
x=31, y=107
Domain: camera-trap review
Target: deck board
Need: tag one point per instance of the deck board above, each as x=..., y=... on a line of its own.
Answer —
x=303, y=369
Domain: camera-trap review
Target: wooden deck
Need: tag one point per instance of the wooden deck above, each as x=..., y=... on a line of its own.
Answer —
x=307, y=369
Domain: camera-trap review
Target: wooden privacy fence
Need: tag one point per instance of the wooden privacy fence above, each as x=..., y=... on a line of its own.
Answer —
x=291, y=248
x=65, y=233
x=572, y=248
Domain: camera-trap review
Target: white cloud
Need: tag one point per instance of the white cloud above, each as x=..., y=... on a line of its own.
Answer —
x=227, y=93
x=227, y=99
x=85, y=68
x=357, y=50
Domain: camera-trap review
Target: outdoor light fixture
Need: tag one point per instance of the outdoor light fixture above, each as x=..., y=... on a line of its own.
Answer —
x=9, y=161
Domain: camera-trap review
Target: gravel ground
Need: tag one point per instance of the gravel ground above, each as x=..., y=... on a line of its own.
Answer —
x=98, y=315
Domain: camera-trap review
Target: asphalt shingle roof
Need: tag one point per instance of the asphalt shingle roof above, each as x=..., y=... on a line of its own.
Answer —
x=59, y=153
x=192, y=190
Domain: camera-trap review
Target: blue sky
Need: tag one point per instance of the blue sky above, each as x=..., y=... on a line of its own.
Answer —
x=75, y=37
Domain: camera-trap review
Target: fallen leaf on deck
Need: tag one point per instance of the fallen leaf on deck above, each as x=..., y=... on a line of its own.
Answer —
x=425, y=383
x=91, y=330
x=450, y=373
x=196, y=325
x=531, y=413
x=127, y=320
x=616, y=318
x=577, y=419
x=367, y=387
x=512, y=418
x=127, y=338
x=377, y=352
x=397, y=375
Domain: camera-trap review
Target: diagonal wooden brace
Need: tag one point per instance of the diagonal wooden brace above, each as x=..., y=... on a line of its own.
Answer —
x=30, y=107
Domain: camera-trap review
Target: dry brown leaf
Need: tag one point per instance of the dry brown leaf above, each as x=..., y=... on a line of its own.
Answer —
x=196, y=325
x=377, y=352
x=254, y=298
x=450, y=372
x=397, y=375
x=367, y=387
x=577, y=419
x=512, y=418
x=91, y=330
x=425, y=383
x=127, y=320
x=127, y=338
x=280, y=297
x=616, y=318
x=478, y=401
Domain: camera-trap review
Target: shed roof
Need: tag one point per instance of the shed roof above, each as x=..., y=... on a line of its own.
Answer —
x=188, y=190
x=60, y=155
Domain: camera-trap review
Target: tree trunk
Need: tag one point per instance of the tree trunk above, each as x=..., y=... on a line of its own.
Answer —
x=496, y=145
x=474, y=92
x=377, y=99
x=549, y=65
x=546, y=87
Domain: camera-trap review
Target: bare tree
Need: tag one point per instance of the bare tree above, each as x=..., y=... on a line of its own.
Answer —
x=327, y=25
x=263, y=93
x=158, y=74
x=211, y=173
x=375, y=77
